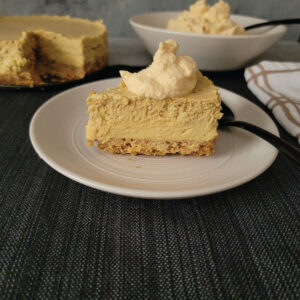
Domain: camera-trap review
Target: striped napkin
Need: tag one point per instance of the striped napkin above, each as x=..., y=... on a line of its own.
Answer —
x=277, y=85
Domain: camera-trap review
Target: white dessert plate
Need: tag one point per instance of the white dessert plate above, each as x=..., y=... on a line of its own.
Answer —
x=57, y=133
x=211, y=52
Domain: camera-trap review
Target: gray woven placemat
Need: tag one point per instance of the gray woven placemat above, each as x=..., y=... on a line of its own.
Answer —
x=62, y=240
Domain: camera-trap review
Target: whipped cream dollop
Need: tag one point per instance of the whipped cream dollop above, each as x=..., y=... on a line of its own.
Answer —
x=169, y=75
x=203, y=18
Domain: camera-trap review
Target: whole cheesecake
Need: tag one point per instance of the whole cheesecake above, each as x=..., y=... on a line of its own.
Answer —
x=38, y=49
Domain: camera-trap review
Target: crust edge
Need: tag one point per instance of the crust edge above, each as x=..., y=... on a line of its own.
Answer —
x=67, y=73
x=155, y=148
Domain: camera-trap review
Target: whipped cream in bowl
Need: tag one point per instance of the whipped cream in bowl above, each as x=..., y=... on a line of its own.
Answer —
x=169, y=75
x=217, y=43
x=205, y=19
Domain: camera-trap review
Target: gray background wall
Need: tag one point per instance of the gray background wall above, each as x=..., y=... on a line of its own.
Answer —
x=116, y=13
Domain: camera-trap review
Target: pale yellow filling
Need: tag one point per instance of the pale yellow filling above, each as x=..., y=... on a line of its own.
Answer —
x=118, y=113
x=64, y=50
x=161, y=130
x=11, y=58
x=17, y=56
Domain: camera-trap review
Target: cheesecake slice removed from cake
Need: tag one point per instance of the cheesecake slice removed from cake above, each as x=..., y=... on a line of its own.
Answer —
x=154, y=113
x=38, y=49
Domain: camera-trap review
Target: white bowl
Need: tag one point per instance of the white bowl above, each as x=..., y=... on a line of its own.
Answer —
x=211, y=52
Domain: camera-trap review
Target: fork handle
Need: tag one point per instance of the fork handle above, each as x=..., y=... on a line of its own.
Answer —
x=290, y=150
x=276, y=22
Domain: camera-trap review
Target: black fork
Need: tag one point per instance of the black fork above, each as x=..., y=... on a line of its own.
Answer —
x=282, y=145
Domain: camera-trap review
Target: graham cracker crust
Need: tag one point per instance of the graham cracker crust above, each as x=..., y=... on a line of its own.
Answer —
x=99, y=63
x=154, y=148
x=46, y=71
x=11, y=79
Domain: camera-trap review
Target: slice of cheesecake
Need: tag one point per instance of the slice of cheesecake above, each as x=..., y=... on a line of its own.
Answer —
x=122, y=122
x=38, y=48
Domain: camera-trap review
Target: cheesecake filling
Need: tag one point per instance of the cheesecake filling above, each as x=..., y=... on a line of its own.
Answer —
x=117, y=113
x=203, y=18
x=169, y=75
x=159, y=130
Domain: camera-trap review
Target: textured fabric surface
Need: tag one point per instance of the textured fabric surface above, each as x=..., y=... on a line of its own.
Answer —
x=276, y=84
x=62, y=240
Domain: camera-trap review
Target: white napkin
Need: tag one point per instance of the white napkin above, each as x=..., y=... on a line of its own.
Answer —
x=277, y=85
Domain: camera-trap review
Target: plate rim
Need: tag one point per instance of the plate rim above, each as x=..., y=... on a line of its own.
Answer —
x=136, y=193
